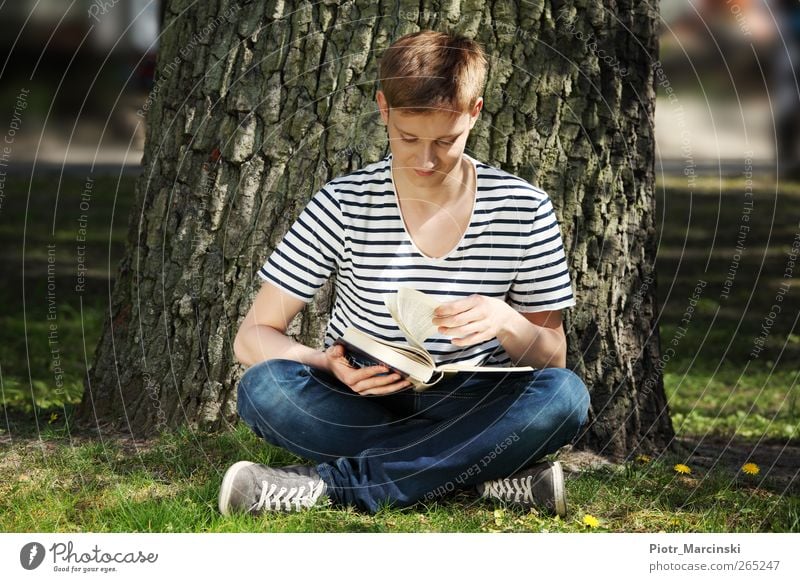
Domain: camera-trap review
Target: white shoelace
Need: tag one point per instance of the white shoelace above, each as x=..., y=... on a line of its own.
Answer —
x=293, y=498
x=512, y=490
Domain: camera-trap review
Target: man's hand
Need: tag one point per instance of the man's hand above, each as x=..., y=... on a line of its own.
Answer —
x=364, y=381
x=473, y=320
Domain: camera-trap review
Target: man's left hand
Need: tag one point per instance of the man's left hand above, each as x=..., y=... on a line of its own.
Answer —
x=473, y=320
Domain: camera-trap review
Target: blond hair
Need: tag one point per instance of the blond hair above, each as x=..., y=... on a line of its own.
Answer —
x=428, y=69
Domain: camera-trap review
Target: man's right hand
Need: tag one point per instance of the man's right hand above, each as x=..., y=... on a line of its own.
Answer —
x=372, y=380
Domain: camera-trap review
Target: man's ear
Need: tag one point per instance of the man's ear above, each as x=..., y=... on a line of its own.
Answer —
x=475, y=111
x=383, y=107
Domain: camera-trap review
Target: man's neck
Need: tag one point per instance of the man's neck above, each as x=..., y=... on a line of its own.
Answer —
x=456, y=186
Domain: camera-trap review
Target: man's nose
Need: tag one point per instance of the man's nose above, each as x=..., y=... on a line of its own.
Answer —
x=427, y=157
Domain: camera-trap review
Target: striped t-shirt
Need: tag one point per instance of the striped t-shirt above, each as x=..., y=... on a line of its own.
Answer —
x=353, y=227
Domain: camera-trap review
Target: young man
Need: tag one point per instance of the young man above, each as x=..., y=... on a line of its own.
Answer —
x=427, y=216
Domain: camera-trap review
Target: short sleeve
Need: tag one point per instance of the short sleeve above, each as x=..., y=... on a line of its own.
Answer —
x=542, y=282
x=310, y=250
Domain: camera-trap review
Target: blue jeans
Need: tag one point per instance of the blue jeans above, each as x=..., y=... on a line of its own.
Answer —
x=409, y=446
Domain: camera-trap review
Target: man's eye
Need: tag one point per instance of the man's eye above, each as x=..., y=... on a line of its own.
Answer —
x=408, y=140
x=444, y=143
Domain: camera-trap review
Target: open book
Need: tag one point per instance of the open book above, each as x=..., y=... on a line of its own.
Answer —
x=413, y=312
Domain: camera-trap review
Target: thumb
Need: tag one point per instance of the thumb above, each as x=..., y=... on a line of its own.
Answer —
x=336, y=350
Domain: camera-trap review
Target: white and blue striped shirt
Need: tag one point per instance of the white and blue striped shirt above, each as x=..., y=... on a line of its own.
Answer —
x=353, y=227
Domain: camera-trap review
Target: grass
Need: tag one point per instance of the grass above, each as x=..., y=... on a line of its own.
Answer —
x=171, y=485
x=751, y=406
x=727, y=406
x=27, y=227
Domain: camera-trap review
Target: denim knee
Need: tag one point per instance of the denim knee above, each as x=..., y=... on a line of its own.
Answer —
x=267, y=388
x=562, y=403
x=572, y=398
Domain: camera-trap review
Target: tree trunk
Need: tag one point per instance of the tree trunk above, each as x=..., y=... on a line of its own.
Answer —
x=256, y=106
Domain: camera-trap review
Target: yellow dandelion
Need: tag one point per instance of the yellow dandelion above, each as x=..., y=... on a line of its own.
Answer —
x=499, y=516
x=590, y=520
x=751, y=469
x=683, y=469
x=644, y=458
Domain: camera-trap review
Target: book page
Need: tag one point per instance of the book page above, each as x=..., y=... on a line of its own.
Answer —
x=419, y=330
x=415, y=312
x=390, y=300
x=391, y=304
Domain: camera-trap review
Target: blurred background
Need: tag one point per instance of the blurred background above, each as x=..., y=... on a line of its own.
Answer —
x=732, y=65
x=88, y=65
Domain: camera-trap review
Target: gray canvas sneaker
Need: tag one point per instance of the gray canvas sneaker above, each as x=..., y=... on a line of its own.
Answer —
x=251, y=488
x=541, y=485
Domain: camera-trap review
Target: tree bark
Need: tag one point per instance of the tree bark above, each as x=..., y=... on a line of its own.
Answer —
x=256, y=108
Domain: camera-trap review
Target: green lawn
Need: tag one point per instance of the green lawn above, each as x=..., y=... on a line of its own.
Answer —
x=721, y=398
x=171, y=485
x=32, y=218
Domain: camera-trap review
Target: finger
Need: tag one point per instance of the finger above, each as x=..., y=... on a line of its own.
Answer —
x=349, y=375
x=394, y=387
x=377, y=382
x=473, y=339
x=454, y=307
x=369, y=372
x=353, y=374
x=344, y=368
x=336, y=350
x=467, y=330
x=338, y=357
x=448, y=324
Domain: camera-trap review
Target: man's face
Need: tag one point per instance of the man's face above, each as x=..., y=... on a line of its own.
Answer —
x=427, y=147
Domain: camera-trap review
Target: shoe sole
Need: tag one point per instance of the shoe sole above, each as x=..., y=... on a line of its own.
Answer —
x=227, y=485
x=560, y=495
